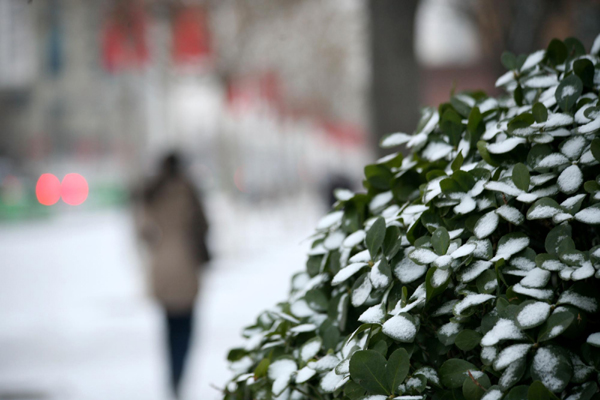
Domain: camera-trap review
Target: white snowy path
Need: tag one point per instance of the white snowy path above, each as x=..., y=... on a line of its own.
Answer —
x=75, y=322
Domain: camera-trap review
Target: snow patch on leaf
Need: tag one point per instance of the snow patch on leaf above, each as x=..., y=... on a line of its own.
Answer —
x=573, y=147
x=553, y=160
x=346, y=273
x=408, y=271
x=486, y=225
x=470, y=301
x=594, y=339
x=373, y=315
x=505, y=146
x=533, y=314
x=503, y=330
x=570, y=179
x=331, y=381
x=380, y=200
x=464, y=250
x=330, y=220
x=334, y=240
x=510, y=214
x=573, y=298
x=436, y=151
x=361, y=257
x=423, y=256
x=400, y=328
x=509, y=247
x=533, y=59
x=281, y=372
x=395, y=139
x=493, y=394
x=536, y=278
x=546, y=363
x=510, y=355
x=504, y=187
x=540, y=294
x=473, y=271
x=590, y=215
x=354, y=239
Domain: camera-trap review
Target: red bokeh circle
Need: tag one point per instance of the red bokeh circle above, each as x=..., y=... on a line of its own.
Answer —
x=47, y=189
x=74, y=189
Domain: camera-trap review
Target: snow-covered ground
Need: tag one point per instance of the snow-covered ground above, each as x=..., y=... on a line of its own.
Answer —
x=75, y=322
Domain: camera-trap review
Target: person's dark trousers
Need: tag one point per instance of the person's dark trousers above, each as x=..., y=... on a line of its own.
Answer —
x=179, y=327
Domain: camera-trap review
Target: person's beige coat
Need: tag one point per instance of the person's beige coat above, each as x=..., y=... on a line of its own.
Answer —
x=173, y=225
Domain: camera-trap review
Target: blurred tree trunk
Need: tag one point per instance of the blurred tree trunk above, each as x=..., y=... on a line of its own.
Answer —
x=394, y=104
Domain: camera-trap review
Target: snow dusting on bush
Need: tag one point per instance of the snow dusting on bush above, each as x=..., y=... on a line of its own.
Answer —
x=467, y=269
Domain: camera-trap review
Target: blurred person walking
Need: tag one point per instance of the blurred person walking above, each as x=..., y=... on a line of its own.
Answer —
x=173, y=225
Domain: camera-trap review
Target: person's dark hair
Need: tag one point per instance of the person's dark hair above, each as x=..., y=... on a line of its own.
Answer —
x=171, y=163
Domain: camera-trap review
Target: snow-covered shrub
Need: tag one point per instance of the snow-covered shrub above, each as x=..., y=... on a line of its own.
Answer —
x=468, y=270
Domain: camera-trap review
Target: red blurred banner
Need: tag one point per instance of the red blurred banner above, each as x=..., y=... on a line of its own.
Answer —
x=124, y=42
x=191, y=37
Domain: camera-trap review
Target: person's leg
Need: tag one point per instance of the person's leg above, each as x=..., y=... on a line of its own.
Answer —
x=179, y=334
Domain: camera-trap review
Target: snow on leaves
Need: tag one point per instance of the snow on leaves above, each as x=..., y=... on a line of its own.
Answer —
x=481, y=242
x=401, y=328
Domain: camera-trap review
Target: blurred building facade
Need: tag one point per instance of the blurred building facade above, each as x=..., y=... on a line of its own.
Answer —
x=265, y=99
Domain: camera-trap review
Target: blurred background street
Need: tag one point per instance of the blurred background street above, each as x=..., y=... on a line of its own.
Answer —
x=77, y=324
x=272, y=104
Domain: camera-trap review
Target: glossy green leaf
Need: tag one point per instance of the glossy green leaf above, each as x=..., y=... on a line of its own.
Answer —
x=596, y=148
x=518, y=95
x=381, y=347
x=440, y=239
x=367, y=368
x=584, y=69
x=460, y=105
x=467, y=339
x=555, y=238
x=451, y=124
x=262, y=368
x=574, y=47
x=540, y=112
x=458, y=161
x=509, y=60
x=378, y=176
x=353, y=390
x=487, y=282
x=556, y=52
x=517, y=393
x=537, y=391
x=520, y=122
x=475, y=126
x=397, y=368
x=375, y=236
x=453, y=372
x=568, y=91
x=391, y=242
x=317, y=300
x=464, y=179
x=520, y=176
x=474, y=388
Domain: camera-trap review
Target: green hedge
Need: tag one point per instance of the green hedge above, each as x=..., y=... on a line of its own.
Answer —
x=468, y=270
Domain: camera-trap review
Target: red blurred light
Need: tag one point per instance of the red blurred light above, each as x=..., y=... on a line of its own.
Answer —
x=74, y=189
x=48, y=189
